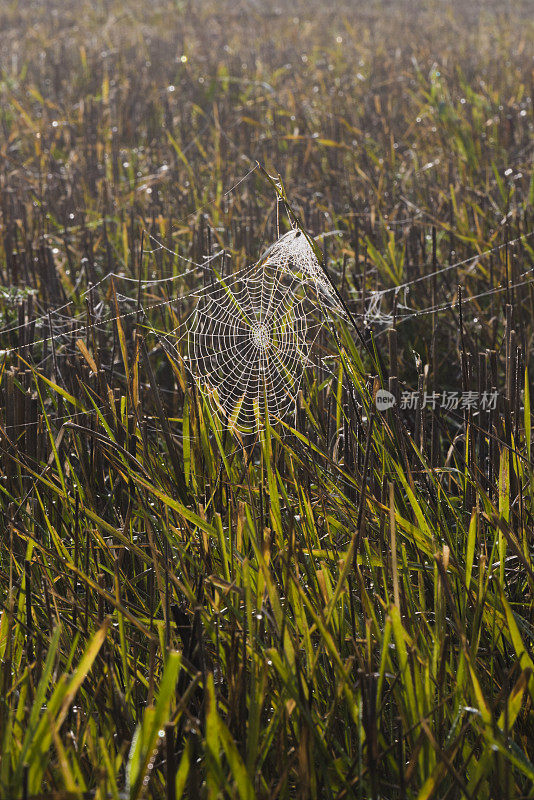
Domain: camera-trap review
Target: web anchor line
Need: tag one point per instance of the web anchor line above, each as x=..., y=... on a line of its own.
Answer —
x=251, y=334
x=91, y=288
x=370, y=316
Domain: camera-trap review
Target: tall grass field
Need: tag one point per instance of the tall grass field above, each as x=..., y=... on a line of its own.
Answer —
x=334, y=601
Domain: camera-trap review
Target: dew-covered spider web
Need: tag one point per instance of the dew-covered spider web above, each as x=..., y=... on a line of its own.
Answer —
x=249, y=341
x=251, y=334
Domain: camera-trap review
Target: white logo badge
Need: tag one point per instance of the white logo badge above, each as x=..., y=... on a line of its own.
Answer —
x=384, y=400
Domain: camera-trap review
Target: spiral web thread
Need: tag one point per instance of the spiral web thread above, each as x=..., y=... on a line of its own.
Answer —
x=249, y=341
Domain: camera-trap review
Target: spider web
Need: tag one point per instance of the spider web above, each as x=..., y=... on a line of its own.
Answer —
x=249, y=341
